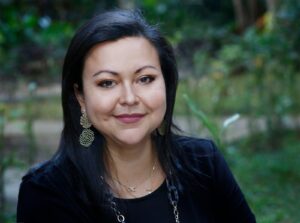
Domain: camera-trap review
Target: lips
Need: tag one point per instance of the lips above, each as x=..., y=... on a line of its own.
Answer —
x=129, y=118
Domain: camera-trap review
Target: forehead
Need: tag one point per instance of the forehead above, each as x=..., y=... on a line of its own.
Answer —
x=127, y=45
x=127, y=51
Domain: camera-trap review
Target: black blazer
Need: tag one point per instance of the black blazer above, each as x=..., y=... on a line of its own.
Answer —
x=211, y=194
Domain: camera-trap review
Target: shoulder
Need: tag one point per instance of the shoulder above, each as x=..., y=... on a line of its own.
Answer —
x=196, y=160
x=45, y=195
x=41, y=181
x=195, y=146
x=200, y=160
x=209, y=178
x=38, y=170
x=54, y=176
x=201, y=155
x=47, y=175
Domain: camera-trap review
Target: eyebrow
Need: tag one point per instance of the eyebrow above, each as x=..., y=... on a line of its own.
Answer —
x=116, y=73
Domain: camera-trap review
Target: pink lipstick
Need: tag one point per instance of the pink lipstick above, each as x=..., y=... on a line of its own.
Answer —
x=129, y=118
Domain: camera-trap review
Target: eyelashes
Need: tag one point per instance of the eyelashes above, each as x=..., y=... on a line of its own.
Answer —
x=146, y=79
x=143, y=80
x=107, y=83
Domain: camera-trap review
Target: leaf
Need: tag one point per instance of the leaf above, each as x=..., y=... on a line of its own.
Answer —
x=212, y=128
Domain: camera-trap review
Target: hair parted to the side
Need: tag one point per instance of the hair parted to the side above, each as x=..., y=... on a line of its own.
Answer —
x=110, y=26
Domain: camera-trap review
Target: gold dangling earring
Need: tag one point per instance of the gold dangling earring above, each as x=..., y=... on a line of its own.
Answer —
x=86, y=137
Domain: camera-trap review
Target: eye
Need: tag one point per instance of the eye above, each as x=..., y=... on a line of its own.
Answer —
x=107, y=83
x=146, y=79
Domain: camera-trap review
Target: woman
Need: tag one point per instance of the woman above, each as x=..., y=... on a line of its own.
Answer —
x=119, y=159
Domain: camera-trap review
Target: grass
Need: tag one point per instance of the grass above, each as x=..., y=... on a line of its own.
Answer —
x=270, y=179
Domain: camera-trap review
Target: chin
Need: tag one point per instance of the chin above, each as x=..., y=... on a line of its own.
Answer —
x=131, y=141
x=133, y=138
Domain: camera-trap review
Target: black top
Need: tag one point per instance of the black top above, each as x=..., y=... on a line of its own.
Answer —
x=47, y=196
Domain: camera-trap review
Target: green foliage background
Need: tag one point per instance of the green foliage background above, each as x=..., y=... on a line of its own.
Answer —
x=224, y=70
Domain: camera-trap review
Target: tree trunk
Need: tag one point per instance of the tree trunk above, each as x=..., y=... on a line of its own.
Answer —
x=126, y=4
x=240, y=15
x=252, y=5
x=2, y=200
x=271, y=6
x=2, y=167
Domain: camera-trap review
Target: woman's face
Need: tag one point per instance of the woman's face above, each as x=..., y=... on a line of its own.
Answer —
x=124, y=91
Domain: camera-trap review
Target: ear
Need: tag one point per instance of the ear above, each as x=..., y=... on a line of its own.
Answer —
x=79, y=96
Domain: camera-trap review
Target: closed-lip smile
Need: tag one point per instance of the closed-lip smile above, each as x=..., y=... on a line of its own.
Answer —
x=130, y=118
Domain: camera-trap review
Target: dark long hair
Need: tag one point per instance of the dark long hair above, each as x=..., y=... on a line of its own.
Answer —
x=110, y=26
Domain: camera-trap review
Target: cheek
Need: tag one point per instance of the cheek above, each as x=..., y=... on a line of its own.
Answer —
x=99, y=105
x=156, y=100
x=160, y=101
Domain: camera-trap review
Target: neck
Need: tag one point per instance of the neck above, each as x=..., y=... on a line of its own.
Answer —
x=130, y=163
x=134, y=171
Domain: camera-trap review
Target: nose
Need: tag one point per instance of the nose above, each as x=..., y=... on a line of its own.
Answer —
x=128, y=95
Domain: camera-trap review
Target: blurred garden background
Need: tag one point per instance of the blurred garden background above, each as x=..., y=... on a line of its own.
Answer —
x=239, y=84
